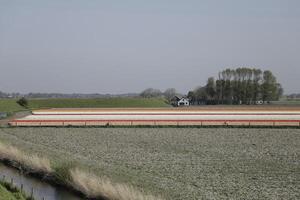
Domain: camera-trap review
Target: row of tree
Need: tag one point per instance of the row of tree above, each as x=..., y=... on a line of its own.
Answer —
x=238, y=86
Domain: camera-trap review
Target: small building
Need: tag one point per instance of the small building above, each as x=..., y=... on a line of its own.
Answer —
x=180, y=101
x=259, y=102
x=3, y=115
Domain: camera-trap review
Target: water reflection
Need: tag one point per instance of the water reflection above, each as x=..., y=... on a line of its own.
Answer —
x=40, y=189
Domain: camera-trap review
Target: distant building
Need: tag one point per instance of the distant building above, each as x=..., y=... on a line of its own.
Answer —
x=3, y=115
x=180, y=101
x=259, y=102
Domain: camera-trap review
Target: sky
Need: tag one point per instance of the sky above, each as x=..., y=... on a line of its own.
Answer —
x=118, y=46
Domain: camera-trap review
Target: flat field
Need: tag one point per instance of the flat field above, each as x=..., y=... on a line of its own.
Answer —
x=10, y=106
x=178, y=163
x=97, y=103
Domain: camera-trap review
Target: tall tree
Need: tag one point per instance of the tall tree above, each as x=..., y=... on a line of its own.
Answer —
x=279, y=92
x=228, y=86
x=241, y=86
x=249, y=86
x=256, y=84
x=151, y=92
x=211, y=89
x=170, y=93
x=269, y=86
x=201, y=95
x=192, y=97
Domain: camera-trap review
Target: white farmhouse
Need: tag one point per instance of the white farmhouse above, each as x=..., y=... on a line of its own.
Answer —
x=180, y=101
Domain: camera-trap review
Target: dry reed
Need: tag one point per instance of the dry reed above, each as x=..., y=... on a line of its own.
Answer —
x=88, y=184
x=31, y=163
x=103, y=188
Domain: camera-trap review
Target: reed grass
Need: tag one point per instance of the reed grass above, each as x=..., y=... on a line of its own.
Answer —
x=103, y=188
x=29, y=163
x=91, y=186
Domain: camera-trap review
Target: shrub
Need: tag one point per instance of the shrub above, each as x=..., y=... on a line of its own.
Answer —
x=23, y=102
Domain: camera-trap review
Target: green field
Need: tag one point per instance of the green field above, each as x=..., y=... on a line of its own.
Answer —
x=97, y=103
x=178, y=163
x=10, y=105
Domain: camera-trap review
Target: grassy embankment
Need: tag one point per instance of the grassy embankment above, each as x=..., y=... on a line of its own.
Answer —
x=97, y=103
x=10, y=105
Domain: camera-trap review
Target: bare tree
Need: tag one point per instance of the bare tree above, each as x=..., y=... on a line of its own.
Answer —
x=170, y=93
x=150, y=93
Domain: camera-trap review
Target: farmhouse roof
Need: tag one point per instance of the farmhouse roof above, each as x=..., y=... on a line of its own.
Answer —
x=179, y=97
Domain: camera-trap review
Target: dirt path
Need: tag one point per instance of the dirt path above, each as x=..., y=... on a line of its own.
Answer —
x=17, y=115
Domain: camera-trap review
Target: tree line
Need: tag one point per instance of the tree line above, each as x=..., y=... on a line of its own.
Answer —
x=232, y=86
x=238, y=86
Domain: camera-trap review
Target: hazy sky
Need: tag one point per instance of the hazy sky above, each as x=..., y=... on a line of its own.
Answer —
x=119, y=46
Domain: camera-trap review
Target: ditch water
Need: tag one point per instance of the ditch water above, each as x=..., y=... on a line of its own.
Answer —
x=41, y=190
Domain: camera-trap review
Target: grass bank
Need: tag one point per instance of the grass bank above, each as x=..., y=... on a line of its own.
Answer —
x=69, y=176
x=10, y=106
x=97, y=103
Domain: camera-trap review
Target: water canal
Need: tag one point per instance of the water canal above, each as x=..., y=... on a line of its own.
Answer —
x=40, y=189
